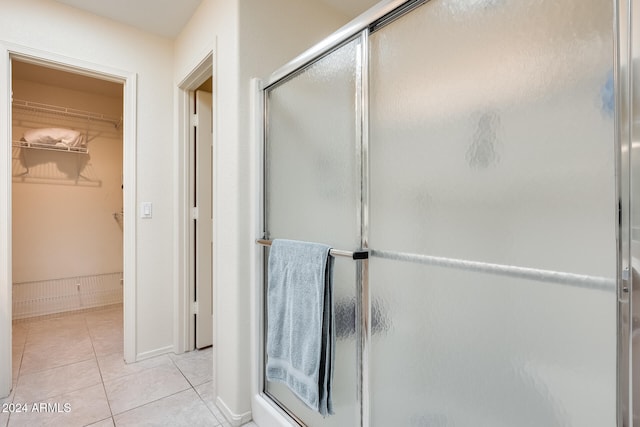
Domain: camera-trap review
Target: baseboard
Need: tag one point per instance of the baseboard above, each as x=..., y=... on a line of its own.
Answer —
x=236, y=420
x=154, y=353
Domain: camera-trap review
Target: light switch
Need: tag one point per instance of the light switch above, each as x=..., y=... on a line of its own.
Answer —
x=146, y=210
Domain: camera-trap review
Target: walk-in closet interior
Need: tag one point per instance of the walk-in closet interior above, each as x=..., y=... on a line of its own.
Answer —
x=480, y=153
x=67, y=215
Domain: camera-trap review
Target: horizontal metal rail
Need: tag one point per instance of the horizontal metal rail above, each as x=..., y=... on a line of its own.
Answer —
x=333, y=252
x=578, y=280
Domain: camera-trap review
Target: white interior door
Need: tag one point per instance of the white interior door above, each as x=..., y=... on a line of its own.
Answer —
x=203, y=219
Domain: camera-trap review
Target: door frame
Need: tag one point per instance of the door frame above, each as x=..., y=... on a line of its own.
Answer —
x=184, y=332
x=9, y=52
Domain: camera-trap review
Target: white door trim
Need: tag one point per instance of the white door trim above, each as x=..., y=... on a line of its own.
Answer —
x=8, y=52
x=184, y=336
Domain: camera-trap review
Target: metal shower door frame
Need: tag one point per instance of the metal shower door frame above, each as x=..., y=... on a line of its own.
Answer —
x=627, y=95
x=627, y=126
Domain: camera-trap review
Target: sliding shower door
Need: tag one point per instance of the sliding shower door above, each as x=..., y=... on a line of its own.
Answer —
x=312, y=189
x=492, y=215
x=470, y=147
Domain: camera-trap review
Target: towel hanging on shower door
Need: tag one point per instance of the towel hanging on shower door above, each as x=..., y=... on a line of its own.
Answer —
x=300, y=334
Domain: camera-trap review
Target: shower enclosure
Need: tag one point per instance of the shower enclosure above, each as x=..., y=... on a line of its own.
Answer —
x=485, y=155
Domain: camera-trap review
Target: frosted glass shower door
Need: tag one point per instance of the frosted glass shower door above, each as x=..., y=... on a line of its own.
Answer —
x=313, y=194
x=492, y=215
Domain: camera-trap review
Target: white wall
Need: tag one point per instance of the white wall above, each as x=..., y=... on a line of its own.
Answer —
x=250, y=38
x=63, y=225
x=52, y=27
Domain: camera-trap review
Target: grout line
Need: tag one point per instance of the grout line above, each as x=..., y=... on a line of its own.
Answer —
x=106, y=396
x=135, y=363
x=104, y=419
x=20, y=373
x=183, y=374
x=149, y=403
x=24, y=348
x=209, y=409
x=193, y=387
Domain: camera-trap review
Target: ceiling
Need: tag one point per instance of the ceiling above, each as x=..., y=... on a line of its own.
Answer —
x=53, y=77
x=168, y=17
x=161, y=17
x=350, y=8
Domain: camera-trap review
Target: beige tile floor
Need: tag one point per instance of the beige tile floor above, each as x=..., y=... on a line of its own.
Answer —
x=74, y=363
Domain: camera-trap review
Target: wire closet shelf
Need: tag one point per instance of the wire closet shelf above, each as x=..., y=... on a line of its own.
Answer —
x=48, y=110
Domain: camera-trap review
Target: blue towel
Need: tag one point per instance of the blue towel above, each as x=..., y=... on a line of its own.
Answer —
x=300, y=334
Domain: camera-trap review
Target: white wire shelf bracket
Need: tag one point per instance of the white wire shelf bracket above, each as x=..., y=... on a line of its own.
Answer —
x=37, y=107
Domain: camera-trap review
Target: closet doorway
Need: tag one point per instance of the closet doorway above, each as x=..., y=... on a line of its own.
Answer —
x=127, y=81
x=10, y=53
x=67, y=218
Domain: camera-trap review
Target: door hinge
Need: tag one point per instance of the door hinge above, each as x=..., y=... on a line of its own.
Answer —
x=194, y=307
x=195, y=213
x=194, y=120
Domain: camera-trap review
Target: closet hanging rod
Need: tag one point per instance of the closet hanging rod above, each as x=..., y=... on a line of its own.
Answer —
x=357, y=255
x=66, y=111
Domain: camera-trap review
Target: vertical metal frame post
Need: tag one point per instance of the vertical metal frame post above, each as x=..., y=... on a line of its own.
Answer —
x=363, y=308
x=624, y=136
x=634, y=91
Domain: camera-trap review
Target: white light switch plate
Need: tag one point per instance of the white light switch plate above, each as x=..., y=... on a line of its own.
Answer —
x=146, y=210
